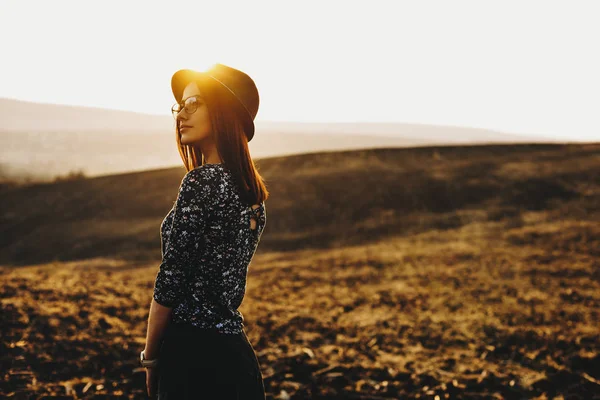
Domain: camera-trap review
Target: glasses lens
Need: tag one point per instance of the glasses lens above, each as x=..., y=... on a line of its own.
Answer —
x=175, y=110
x=191, y=105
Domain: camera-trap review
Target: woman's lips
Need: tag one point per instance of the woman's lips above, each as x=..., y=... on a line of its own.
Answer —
x=184, y=127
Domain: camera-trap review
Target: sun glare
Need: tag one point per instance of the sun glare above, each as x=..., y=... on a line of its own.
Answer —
x=202, y=66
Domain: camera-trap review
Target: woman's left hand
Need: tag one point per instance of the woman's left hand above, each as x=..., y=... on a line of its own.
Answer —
x=152, y=382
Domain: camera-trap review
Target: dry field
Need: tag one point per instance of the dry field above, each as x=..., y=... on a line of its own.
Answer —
x=430, y=273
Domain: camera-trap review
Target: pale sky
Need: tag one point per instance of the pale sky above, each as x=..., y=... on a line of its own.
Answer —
x=515, y=66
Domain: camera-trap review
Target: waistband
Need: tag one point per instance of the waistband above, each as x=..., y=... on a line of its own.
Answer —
x=191, y=330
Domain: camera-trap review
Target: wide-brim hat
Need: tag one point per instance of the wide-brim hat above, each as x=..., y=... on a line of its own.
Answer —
x=236, y=82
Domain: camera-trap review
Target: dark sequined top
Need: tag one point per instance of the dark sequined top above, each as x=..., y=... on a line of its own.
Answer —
x=207, y=245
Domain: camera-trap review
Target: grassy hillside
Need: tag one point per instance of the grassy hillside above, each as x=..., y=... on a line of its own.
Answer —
x=318, y=200
x=424, y=273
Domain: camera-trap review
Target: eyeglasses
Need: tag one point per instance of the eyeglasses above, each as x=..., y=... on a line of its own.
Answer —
x=190, y=105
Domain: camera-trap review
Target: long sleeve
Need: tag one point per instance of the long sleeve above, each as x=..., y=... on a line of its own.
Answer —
x=186, y=235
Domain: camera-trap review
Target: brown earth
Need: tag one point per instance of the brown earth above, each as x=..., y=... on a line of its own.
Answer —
x=447, y=272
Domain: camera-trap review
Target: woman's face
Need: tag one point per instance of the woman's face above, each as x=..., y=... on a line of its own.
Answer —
x=196, y=127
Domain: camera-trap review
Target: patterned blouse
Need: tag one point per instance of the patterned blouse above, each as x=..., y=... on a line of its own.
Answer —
x=207, y=245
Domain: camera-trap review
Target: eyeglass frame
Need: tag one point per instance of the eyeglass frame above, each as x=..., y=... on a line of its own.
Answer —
x=182, y=105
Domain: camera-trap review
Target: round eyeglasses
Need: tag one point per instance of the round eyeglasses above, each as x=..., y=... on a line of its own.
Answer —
x=190, y=105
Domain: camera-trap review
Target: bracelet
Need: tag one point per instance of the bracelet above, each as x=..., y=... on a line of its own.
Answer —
x=147, y=363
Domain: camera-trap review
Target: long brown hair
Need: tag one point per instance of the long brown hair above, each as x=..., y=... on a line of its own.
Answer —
x=231, y=142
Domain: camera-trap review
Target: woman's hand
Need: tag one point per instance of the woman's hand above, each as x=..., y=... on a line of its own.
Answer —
x=152, y=382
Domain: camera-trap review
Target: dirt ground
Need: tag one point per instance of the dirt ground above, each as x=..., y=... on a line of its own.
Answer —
x=484, y=301
x=468, y=313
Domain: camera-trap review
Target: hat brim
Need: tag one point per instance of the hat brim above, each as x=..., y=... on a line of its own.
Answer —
x=183, y=77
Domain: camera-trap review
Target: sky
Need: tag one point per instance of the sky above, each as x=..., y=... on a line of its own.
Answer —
x=522, y=66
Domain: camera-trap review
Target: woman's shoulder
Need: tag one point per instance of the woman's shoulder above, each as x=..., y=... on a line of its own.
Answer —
x=199, y=180
x=209, y=170
x=208, y=180
x=204, y=173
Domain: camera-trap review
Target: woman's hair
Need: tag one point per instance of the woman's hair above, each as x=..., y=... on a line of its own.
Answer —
x=231, y=142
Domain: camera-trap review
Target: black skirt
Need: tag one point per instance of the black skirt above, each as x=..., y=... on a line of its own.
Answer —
x=201, y=364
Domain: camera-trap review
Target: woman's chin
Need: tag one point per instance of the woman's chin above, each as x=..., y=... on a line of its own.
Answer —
x=184, y=139
x=189, y=140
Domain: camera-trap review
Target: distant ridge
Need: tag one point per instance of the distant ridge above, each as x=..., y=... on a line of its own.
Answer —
x=41, y=140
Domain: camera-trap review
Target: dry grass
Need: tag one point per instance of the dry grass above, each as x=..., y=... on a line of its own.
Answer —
x=484, y=285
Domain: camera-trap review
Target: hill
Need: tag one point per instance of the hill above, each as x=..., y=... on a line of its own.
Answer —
x=318, y=200
x=450, y=272
x=63, y=139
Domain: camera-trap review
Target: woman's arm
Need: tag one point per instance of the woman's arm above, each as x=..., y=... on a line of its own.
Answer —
x=179, y=255
x=157, y=324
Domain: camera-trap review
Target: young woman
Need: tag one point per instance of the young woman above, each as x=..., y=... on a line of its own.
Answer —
x=196, y=345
